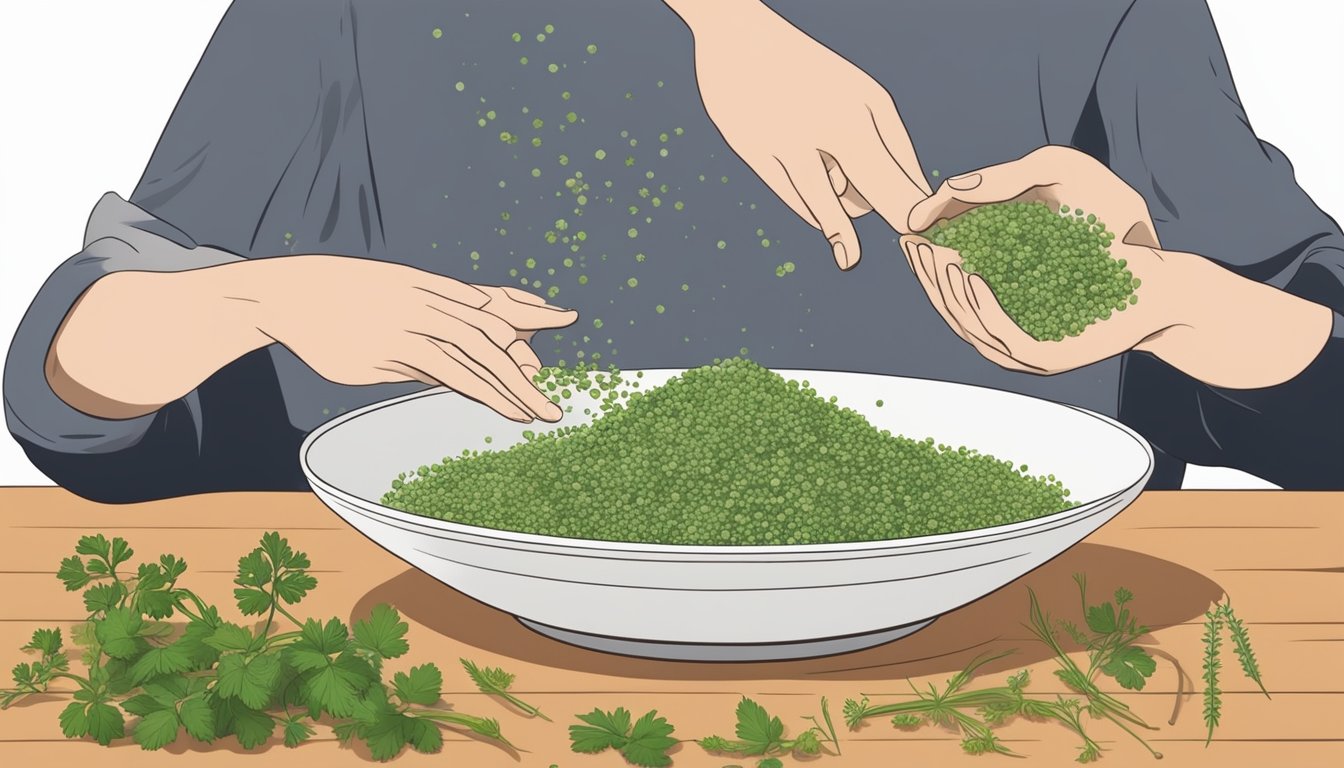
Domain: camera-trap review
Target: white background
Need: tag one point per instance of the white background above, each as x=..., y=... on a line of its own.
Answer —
x=88, y=85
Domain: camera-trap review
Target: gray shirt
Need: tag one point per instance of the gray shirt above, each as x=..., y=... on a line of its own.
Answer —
x=404, y=132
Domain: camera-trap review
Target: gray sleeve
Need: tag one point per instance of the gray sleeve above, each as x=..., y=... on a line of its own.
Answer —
x=1176, y=131
x=119, y=237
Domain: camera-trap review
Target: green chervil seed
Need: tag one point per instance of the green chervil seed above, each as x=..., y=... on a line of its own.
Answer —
x=437, y=33
x=678, y=450
x=1052, y=272
x=592, y=48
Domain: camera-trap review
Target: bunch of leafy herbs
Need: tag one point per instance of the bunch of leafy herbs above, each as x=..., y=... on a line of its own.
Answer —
x=217, y=678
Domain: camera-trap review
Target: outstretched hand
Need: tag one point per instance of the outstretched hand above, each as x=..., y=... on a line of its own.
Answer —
x=819, y=131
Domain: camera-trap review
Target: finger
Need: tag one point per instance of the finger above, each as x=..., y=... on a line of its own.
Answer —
x=522, y=354
x=915, y=254
x=896, y=140
x=450, y=289
x=994, y=184
x=1001, y=326
x=433, y=367
x=965, y=313
x=499, y=331
x=807, y=174
x=495, y=367
x=883, y=180
x=854, y=203
x=526, y=311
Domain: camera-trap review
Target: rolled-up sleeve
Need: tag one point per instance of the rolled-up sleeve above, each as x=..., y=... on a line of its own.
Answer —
x=1175, y=130
x=164, y=453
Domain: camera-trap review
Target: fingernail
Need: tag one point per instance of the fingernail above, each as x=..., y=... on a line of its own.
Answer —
x=965, y=181
x=841, y=258
x=552, y=412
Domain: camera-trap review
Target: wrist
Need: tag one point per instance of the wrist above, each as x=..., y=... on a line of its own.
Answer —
x=1232, y=332
x=708, y=16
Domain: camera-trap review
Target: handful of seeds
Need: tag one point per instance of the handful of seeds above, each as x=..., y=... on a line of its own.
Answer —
x=724, y=454
x=1051, y=272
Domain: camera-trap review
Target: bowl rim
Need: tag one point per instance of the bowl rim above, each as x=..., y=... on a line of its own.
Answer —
x=370, y=508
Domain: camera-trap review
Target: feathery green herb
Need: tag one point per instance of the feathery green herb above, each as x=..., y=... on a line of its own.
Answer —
x=1217, y=619
x=760, y=735
x=496, y=681
x=216, y=678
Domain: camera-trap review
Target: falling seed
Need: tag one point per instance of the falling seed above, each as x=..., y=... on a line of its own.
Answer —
x=460, y=86
x=550, y=29
x=685, y=287
x=522, y=60
x=517, y=38
x=722, y=245
x=552, y=68
x=678, y=205
x=632, y=282
x=565, y=95
x=571, y=117
x=632, y=232
x=592, y=48
x=536, y=172
x=765, y=242
x=660, y=309
x=600, y=154
x=437, y=33
x=541, y=37
x=662, y=152
x=564, y=159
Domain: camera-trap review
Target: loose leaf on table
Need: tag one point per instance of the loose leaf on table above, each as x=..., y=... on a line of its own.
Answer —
x=495, y=681
x=645, y=743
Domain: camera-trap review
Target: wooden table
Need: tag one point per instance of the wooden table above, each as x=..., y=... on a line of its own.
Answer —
x=1279, y=555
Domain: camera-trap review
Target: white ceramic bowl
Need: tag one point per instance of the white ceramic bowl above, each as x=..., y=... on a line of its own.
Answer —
x=649, y=599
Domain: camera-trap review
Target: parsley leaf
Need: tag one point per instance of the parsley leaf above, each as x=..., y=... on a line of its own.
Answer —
x=758, y=732
x=119, y=633
x=1131, y=666
x=251, y=681
x=296, y=732
x=644, y=744
x=423, y=685
x=157, y=729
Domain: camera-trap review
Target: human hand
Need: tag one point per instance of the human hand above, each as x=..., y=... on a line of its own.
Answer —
x=361, y=321
x=820, y=132
x=1055, y=176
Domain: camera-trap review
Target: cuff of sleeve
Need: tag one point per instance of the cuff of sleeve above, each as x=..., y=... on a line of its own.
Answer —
x=119, y=237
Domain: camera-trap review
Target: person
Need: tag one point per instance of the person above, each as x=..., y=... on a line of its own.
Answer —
x=349, y=199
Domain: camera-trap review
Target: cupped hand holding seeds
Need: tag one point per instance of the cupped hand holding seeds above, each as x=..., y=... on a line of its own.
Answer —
x=360, y=321
x=1068, y=288
x=1050, y=289
x=822, y=133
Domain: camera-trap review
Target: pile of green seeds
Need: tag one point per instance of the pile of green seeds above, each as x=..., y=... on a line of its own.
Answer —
x=724, y=454
x=1051, y=272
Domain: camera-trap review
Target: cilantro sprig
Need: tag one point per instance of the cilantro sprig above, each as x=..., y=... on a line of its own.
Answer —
x=215, y=678
x=644, y=742
x=496, y=681
x=760, y=735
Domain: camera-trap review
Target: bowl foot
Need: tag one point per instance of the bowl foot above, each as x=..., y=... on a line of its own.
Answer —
x=727, y=652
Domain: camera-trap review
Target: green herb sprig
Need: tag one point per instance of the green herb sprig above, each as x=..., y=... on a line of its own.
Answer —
x=760, y=735
x=643, y=743
x=1217, y=619
x=215, y=678
x=496, y=682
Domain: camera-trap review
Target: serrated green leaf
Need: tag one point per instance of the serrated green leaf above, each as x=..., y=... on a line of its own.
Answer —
x=226, y=637
x=650, y=738
x=335, y=688
x=1101, y=619
x=173, y=566
x=143, y=704
x=46, y=641
x=94, y=545
x=105, y=723
x=423, y=685
x=75, y=720
x=254, y=569
x=386, y=736
x=198, y=719
x=252, y=602
x=160, y=661
x=296, y=732
x=425, y=736
x=1131, y=666
x=605, y=730
x=770, y=762
x=73, y=574
x=326, y=639
x=119, y=633
x=103, y=597
x=251, y=681
x=157, y=729
x=756, y=728
x=276, y=548
x=169, y=689
x=251, y=727
x=121, y=551
x=383, y=633
x=294, y=586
